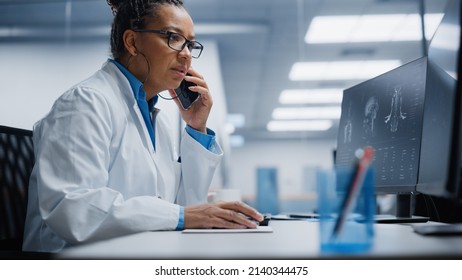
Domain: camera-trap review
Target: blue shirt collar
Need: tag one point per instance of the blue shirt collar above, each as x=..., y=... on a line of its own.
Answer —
x=136, y=85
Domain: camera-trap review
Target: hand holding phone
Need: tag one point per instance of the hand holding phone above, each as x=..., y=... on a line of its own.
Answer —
x=186, y=96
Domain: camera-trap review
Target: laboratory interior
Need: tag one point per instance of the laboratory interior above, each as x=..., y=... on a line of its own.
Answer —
x=277, y=71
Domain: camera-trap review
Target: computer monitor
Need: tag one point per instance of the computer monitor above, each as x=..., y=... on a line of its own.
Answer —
x=441, y=152
x=387, y=113
x=412, y=116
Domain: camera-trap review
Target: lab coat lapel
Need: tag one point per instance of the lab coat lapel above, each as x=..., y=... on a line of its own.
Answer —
x=135, y=112
x=142, y=129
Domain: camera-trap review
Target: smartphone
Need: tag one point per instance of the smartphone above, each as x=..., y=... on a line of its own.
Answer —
x=185, y=95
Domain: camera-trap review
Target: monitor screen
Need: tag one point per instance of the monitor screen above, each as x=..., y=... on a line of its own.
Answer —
x=386, y=112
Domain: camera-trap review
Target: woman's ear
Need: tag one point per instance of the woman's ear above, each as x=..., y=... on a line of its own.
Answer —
x=129, y=39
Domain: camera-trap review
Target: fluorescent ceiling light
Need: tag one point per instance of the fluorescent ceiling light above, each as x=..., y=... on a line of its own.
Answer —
x=341, y=70
x=370, y=28
x=301, y=113
x=307, y=125
x=311, y=96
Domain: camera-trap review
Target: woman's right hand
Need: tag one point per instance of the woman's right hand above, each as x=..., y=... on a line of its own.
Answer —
x=230, y=215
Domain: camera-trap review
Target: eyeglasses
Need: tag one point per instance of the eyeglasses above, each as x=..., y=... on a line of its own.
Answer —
x=177, y=41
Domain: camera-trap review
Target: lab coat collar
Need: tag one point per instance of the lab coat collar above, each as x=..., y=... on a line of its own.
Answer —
x=136, y=85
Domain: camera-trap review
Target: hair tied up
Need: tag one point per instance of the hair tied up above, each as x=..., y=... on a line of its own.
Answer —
x=115, y=5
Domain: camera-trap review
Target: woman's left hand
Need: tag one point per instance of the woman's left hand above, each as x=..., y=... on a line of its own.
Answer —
x=196, y=116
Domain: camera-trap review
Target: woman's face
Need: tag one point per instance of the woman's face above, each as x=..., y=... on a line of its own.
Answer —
x=167, y=66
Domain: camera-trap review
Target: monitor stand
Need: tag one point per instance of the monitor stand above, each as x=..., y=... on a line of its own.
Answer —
x=403, y=212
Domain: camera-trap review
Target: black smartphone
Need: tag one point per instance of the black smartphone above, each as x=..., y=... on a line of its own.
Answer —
x=185, y=95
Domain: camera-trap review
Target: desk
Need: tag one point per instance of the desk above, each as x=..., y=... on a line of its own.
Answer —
x=290, y=240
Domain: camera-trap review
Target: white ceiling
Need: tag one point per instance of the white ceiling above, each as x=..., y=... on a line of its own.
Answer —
x=259, y=41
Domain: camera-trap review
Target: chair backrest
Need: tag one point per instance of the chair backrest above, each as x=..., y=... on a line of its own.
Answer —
x=16, y=163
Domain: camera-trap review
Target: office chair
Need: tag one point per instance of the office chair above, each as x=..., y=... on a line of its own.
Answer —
x=16, y=163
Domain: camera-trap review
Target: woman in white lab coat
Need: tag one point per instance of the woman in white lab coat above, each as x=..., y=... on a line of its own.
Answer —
x=106, y=162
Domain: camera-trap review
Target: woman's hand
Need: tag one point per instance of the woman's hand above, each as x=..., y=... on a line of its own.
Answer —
x=232, y=215
x=196, y=116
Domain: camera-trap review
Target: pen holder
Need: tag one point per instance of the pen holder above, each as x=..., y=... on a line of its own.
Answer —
x=346, y=220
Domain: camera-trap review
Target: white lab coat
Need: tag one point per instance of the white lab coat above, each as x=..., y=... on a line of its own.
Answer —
x=97, y=174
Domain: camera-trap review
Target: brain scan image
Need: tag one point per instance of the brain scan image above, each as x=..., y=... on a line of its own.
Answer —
x=370, y=114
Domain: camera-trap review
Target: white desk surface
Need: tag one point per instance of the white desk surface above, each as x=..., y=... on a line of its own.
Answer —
x=289, y=240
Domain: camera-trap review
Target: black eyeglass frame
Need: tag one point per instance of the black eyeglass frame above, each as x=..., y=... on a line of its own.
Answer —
x=169, y=34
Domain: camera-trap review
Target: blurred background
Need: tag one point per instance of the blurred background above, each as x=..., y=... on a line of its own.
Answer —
x=276, y=69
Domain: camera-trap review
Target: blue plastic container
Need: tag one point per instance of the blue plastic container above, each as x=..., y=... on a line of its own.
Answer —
x=354, y=233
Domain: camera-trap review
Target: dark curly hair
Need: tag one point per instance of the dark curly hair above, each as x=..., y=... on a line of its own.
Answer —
x=132, y=14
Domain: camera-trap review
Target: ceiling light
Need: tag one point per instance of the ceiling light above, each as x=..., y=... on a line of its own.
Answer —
x=301, y=113
x=311, y=96
x=307, y=125
x=341, y=70
x=370, y=28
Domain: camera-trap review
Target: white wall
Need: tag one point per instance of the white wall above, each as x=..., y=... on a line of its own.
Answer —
x=32, y=76
x=291, y=158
